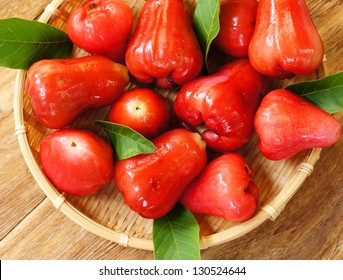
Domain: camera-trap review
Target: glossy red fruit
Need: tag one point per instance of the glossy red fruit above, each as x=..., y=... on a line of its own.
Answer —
x=164, y=49
x=285, y=41
x=143, y=110
x=225, y=102
x=225, y=188
x=288, y=124
x=237, y=24
x=152, y=183
x=76, y=161
x=61, y=89
x=102, y=27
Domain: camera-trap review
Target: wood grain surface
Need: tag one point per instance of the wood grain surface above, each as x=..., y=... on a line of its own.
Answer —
x=311, y=226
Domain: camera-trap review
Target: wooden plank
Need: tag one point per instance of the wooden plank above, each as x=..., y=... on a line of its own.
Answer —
x=49, y=234
x=19, y=192
x=28, y=9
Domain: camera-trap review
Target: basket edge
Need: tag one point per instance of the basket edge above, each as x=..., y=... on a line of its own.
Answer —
x=123, y=239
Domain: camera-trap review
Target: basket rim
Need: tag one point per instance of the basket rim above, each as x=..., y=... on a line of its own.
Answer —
x=269, y=211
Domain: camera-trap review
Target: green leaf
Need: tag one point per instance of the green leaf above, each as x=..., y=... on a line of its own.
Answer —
x=126, y=141
x=23, y=42
x=325, y=93
x=176, y=235
x=206, y=23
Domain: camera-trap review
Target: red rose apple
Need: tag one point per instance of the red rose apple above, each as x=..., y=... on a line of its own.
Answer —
x=143, y=110
x=77, y=161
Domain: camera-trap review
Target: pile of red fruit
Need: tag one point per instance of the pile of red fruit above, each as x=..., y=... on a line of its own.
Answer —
x=216, y=112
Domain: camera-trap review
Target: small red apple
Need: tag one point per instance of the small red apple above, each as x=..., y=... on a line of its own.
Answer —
x=143, y=110
x=76, y=161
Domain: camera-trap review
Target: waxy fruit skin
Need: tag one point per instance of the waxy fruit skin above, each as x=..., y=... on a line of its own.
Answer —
x=151, y=184
x=102, y=27
x=225, y=102
x=237, y=24
x=61, y=89
x=77, y=161
x=143, y=110
x=164, y=49
x=287, y=124
x=285, y=41
x=224, y=188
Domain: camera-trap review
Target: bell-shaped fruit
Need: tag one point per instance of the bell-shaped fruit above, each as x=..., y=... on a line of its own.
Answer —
x=77, y=161
x=225, y=102
x=164, y=49
x=287, y=124
x=152, y=183
x=237, y=24
x=224, y=188
x=61, y=89
x=285, y=41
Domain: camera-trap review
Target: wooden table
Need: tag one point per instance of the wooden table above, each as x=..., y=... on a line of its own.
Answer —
x=311, y=226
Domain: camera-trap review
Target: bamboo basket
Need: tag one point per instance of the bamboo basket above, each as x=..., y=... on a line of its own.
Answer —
x=105, y=213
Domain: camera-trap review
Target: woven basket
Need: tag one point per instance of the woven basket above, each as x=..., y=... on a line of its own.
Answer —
x=105, y=213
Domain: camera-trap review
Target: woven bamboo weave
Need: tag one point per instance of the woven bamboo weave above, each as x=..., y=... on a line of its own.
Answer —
x=105, y=213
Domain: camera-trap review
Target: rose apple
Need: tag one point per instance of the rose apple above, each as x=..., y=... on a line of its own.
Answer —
x=164, y=49
x=61, y=89
x=152, y=183
x=223, y=104
x=77, y=161
x=143, y=110
x=237, y=24
x=224, y=188
x=285, y=41
x=287, y=124
x=102, y=27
